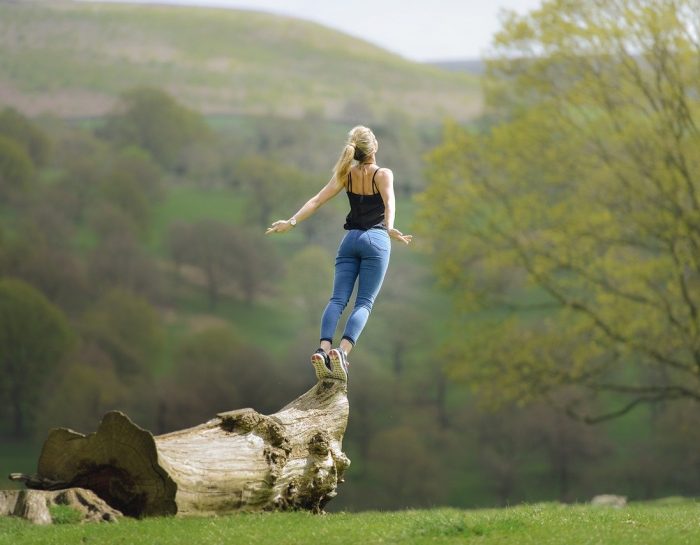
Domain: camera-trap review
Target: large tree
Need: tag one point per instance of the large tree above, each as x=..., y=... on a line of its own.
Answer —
x=34, y=340
x=153, y=120
x=570, y=225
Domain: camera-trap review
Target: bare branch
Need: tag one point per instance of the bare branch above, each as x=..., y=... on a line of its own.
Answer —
x=588, y=419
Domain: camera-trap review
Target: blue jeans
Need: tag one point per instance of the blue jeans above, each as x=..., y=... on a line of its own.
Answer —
x=363, y=255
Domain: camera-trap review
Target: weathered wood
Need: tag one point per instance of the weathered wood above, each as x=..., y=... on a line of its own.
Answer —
x=35, y=505
x=240, y=460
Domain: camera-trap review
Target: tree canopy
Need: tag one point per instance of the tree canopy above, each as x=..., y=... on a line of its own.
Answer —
x=570, y=225
x=153, y=120
x=34, y=339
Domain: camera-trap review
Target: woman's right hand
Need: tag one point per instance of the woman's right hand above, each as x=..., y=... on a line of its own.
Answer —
x=279, y=226
x=398, y=235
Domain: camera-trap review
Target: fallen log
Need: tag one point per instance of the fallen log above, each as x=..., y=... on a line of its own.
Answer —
x=240, y=460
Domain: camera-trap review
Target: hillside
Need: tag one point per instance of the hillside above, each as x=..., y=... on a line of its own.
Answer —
x=73, y=58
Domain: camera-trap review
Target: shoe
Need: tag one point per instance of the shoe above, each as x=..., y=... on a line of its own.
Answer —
x=321, y=363
x=339, y=364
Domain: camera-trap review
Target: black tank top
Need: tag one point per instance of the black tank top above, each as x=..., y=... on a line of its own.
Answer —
x=366, y=211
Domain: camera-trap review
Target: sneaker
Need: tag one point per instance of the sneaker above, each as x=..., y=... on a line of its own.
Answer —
x=321, y=363
x=339, y=364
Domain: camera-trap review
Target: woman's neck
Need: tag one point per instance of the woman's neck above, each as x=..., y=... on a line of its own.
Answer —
x=369, y=160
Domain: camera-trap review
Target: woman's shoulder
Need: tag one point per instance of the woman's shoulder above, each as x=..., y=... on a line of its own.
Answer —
x=384, y=174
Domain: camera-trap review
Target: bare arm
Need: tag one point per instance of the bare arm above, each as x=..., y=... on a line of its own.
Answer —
x=385, y=183
x=330, y=190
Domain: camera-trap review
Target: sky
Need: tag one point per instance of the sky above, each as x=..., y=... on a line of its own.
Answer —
x=420, y=30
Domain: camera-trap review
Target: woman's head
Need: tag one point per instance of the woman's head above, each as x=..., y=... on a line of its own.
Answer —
x=360, y=145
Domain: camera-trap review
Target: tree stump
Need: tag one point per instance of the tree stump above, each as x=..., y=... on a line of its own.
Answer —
x=240, y=460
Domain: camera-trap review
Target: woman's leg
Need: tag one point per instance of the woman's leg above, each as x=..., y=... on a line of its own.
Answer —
x=375, y=250
x=347, y=268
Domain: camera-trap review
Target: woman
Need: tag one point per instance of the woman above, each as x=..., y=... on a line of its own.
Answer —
x=365, y=249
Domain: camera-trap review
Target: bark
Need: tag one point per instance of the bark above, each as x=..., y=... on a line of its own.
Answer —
x=240, y=460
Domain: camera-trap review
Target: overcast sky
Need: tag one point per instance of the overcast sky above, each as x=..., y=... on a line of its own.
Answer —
x=420, y=30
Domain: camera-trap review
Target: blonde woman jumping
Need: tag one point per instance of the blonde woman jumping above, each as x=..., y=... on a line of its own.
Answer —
x=363, y=254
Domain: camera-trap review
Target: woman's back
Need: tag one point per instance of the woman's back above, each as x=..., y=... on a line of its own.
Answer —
x=361, y=180
x=366, y=202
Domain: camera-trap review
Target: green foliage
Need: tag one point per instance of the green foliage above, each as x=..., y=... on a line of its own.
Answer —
x=271, y=186
x=133, y=185
x=309, y=282
x=34, y=339
x=217, y=368
x=17, y=127
x=225, y=254
x=127, y=328
x=572, y=221
x=156, y=122
x=16, y=169
x=87, y=388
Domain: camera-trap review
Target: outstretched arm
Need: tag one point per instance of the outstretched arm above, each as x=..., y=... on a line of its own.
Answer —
x=330, y=190
x=385, y=184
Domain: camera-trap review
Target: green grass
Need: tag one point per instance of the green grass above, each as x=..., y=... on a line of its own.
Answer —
x=538, y=524
x=189, y=204
x=64, y=514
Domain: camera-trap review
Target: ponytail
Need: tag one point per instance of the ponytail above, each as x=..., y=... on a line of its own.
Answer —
x=342, y=167
x=361, y=143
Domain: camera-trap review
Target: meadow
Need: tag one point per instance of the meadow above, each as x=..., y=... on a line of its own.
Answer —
x=670, y=522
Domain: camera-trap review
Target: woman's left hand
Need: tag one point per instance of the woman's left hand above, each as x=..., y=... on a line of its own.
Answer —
x=398, y=235
x=279, y=226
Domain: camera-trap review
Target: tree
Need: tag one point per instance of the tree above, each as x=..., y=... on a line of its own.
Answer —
x=128, y=329
x=132, y=184
x=41, y=256
x=34, y=339
x=82, y=159
x=118, y=260
x=567, y=444
x=252, y=262
x=570, y=227
x=396, y=454
x=212, y=369
x=307, y=287
x=229, y=256
x=273, y=187
x=205, y=245
x=16, y=169
x=17, y=127
x=153, y=120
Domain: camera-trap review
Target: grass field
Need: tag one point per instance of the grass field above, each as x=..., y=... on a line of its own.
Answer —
x=672, y=523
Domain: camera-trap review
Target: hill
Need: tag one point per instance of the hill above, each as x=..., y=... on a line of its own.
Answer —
x=72, y=59
x=469, y=66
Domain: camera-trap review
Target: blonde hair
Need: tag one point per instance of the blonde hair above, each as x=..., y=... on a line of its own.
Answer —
x=361, y=143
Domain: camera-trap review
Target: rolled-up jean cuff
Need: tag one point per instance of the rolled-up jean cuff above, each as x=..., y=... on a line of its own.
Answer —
x=351, y=341
x=329, y=340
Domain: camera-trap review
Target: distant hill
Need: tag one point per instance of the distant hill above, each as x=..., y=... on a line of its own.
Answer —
x=469, y=66
x=72, y=59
